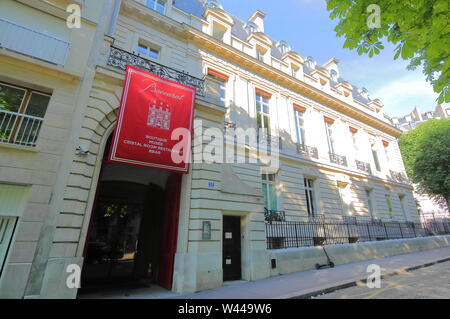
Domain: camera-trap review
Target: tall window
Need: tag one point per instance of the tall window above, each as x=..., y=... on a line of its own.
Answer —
x=329, y=132
x=262, y=112
x=157, y=5
x=369, y=202
x=386, y=152
x=346, y=200
x=389, y=205
x=148, y=50
x=216, y=86
x=310, y=197
x=375, y=158
x=355, y=142
x=22, y=112
x=402, y=206
x=300, y=125
x=269, y=191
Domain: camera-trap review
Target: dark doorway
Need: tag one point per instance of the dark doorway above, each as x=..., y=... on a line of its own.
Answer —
x=231, y=248
x=135, y=214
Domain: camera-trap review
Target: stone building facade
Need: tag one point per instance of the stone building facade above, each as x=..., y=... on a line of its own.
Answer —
x=63, y=204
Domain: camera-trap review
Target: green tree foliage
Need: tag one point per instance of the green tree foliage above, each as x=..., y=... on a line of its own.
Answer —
x=426, y=153
x=420, y=29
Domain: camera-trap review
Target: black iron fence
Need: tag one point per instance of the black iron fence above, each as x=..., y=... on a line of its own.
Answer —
x=316, y=232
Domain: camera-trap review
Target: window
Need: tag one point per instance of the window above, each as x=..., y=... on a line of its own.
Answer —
x=300, y=126
x=148, y=50
x=386, y=152
x=375, y=158
x=402, y=206
x=216, y=86
x=262, y=112
x=346, y=200
x=389, y=205
x=260, y=53
x=22, y=112
x=329, y=132
x=310, y=196
x=218, y=31
x=157, y=5
x=355, y=142
x=295, y=70
x=369, y=202
x=269, y=191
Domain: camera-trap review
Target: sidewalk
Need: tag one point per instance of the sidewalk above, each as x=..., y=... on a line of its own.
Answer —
x=309, y=283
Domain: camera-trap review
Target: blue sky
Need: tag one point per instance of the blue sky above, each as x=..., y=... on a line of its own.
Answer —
x=306, y=26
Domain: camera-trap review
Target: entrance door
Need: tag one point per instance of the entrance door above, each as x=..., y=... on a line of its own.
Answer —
x=170, y=231
x=132, y=235
x=231, y=248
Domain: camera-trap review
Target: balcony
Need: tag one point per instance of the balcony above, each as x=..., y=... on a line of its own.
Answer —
x=119, y=58
x=274, y=215
x=19, y=129
x=363, y=167
x=399, y=177
x=268, y=140
x=308, y=151
x=338, y=159
x=24, y=40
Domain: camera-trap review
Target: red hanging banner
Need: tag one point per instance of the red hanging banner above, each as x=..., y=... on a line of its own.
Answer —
x=154, y=123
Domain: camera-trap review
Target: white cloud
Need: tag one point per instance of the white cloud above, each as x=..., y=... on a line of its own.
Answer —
x=401, y=94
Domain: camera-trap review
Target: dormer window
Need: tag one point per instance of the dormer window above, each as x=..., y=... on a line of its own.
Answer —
x=311, y=63
x=364, y=93
x=260, y=53
x=157, y=5
x=284, y=47
x=218, y=31
x=295, y=69
x=334, y=75
x=251, y=27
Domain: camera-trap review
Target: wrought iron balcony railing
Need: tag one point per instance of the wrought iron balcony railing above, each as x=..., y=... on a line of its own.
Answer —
x=120, y=59
x=364, y=167
x=274, y=215
x=338, y=159
x=399, y=177
x=307, y=151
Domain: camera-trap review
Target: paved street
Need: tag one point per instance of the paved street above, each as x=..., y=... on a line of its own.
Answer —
x=430, y=282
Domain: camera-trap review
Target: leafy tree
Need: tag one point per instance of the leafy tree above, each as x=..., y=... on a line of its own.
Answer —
x=426, y=153
x=420, y=29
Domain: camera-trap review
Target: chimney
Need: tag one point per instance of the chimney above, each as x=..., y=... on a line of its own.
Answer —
x=258, y=19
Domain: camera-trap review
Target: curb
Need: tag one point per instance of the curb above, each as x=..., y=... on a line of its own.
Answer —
x=364, y=280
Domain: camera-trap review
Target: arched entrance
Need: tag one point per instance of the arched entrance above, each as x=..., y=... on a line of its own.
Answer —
x=132, y=234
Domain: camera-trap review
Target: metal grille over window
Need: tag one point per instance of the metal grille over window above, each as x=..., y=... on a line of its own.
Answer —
x=22, y=112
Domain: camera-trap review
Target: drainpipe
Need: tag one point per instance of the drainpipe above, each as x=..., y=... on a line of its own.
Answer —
x=115, y=16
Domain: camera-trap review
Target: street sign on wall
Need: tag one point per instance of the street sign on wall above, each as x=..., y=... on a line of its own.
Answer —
x=152, y=113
